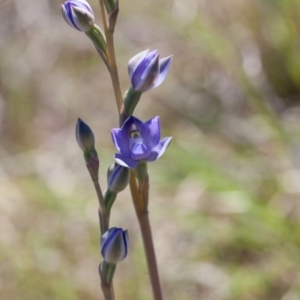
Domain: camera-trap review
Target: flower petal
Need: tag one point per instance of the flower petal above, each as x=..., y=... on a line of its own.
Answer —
x=164, y=65
x=125, y=161
x=159, y=150
x=151, y=132
x=67, y=14
x=83, y=19
x=132, y=123
x=135, y=61
x=140, y=151
x=83, y=4
x=147, y=72
x=120, y=140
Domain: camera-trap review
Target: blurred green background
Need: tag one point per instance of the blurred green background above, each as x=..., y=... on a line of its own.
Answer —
x=225, y=199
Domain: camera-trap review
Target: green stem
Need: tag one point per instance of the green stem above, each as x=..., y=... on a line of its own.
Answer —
x=109, y=199
x=131, y=99
x=102, y=210
x=110, y=5
x=113, y=69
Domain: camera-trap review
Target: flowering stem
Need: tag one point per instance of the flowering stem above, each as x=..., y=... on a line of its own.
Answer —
x=107, y=288
x=109, y=32
x=113, y=68
x=140, y=205
x=140, y=197
x=103, y=15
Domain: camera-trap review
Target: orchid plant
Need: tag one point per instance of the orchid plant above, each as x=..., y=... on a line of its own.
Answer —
x=137, y=142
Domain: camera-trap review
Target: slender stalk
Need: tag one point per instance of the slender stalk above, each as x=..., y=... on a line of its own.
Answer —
x=112, y=58
x=107, y=290
x=150, y=255
x=140, y=205
x=103, y=15
x=102, y=211
x=107, y=287
x=113, y=69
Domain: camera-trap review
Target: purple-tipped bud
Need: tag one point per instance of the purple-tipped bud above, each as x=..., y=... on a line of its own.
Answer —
x=78, y=14
x=117, y=178
x=147, y=71
x=114, y=245
x=84, y=136
x=86, y=141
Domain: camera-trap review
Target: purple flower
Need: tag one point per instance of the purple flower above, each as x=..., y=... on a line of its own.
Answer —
x=114, y=245
x=78, y=14
x=138, y=141
x=147, y=71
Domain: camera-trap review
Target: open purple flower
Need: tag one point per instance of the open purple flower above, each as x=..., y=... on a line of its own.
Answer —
x=147, y=71
x=78, y=14
x=138, y=141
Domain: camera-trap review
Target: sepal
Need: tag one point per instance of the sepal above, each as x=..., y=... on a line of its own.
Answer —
x=107, y=271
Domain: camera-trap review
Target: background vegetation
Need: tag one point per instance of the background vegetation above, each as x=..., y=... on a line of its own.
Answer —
x=224, y=198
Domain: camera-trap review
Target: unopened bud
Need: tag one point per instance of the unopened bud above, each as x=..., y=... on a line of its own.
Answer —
x=86, y=141
x=84, y=136
x=146, y=71
x=78, y=14
x=114, y=245
x=117, y=177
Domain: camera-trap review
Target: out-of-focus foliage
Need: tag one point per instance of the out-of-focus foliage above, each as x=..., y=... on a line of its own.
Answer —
x=224, y=199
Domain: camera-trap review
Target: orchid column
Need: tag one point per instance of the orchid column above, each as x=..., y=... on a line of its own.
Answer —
x=137, y=142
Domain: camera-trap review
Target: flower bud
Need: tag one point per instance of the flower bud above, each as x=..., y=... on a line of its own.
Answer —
x=147, y=71
x=114, y=245
x=84, y=136
x=78, y=14
x=117, y=177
